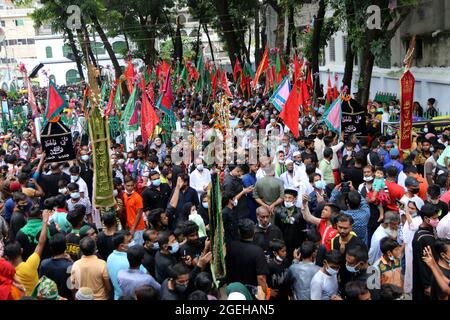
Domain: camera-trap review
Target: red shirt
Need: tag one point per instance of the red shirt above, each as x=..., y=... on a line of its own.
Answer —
x=327, y=233
x=396, y=192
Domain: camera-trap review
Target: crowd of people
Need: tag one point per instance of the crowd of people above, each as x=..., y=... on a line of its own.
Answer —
x=325, y=217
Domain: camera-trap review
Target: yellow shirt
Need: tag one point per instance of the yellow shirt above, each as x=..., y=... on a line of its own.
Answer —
x=27, y=272
x=90, y=272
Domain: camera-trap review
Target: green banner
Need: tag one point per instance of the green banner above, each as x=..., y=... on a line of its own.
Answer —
x=103, y=185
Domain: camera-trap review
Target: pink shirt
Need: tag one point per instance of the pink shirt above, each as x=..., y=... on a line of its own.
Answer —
x=445, y=197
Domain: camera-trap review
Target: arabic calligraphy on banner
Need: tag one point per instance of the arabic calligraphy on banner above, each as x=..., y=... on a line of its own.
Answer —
x=406, y=109
x=353, y=118
x=57, y=144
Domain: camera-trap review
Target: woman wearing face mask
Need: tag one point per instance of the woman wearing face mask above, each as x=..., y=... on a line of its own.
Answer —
x=194, y=216
x=203, y=208
x=278, y=268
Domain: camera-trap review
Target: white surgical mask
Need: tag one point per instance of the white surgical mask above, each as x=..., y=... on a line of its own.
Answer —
x=368, y=179
x=62, y=190
x=235, y=202
x=288, y=204
x=115, y=193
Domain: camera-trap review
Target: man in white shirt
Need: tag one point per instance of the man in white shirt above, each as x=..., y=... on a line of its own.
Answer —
x=324, y=284
x=443, y=228
x=287, y=148
x=319, y=145
x=199, y=178
x=389, y=228
x=288, y=176
x=336, y=147
x=75, y=178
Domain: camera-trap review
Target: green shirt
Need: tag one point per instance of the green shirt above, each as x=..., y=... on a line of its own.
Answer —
x=327, y=171
x=445, y=154
x=269, y=189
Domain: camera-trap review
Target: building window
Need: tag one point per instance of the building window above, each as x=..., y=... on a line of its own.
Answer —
x=119, y=47
x=21, y=42
x=72, y=76
x=49, y=52
x=30, y=41
x=97, y=48
x=19, y=22
x=332, y=48
x=67, y=50
x=12, y=42
x=2, y=23
x=419, y=49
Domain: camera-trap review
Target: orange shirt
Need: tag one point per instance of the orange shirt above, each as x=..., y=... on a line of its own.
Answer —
x=132, y=204
x=423, y=187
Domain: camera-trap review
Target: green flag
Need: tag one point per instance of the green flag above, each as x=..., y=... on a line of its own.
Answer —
x=130, y=111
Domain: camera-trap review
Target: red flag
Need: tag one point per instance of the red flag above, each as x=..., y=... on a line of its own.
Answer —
x=309, y=80
x=335, y=88
x=306, y=97
x=243, y=82
x=167, y=98
x=214, y=78
x=290, y=113
x=329, y=91
x=129, y=75
x=55, y=102
x=111, y=98
x=296, y=69
x=263, y=65
x=272, y=77
x=266, y=88
x=151, y=94
x=224, y=84
x=149, y=118
x=237, y=69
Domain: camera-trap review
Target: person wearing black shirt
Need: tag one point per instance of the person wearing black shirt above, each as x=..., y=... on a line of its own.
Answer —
x=354, y=171
x=431, y=110
x=364, y=151
x=265, y=231
x=230, y=217
x=233, y=185
x=105, y=245
x=291, y=223
x=86, y=172
x=278, y=269
x=151, y=248
x=58, y=266
x=157, y=195
x=75, y=218
x=181, y=195
x=423, y=237
x=309, y=150
x=245, y=261
x=433, y=194
x=442, y=248
x=18, y=220
x=194, y=245
x=165, y=258
x=50, y=182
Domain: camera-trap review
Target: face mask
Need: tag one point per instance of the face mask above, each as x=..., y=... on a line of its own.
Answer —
x=284, y=144
x=155, y=246
x=278, y=258
x=132, y=244
x=121, y=161
x=351, y=269
x=273, y=121
x=75, y=195
x=368, y=179
x=235, y=202
x=320, y=185
x=74, y=178
x=180, y=288
x=298, y=162
x=288, y=204
x=156, y=182
x=205, y=205
x=433, y=222
x=194, y=212
x=391, y=233
x=174, y=247
x=266, y=227
x=281, y=161
x=448, y=261
x=130, y=193
x=62, y=190
x=115, y=193
x=392, y=258
x=425, y=130
x=200, y=167
x=85, y=157
x=331, y=271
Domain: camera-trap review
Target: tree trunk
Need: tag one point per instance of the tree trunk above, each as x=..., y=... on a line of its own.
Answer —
x=318, y=25
x=257, y=37
x=226, y=24
x=75, y=51
x=88, y=47
x=178, y=48
x=292, y=33
x=108, y=47
x=205, y=28
x=197, y=46
x=279, y=39
x=126, y=41
x=348, y=73
x=365, y=76
x=150, y=43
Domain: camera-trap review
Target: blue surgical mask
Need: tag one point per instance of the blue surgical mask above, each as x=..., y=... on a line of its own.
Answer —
x=74, y=178
x=156, y=182
x=350, y=268
x=85, y=157
x=75, y=195
x=174, y=247
x=331, y=271
x=205, y=205
x=155, y=245
x=320, y=185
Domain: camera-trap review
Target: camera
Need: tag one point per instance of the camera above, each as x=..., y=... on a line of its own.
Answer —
x=345, y=187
